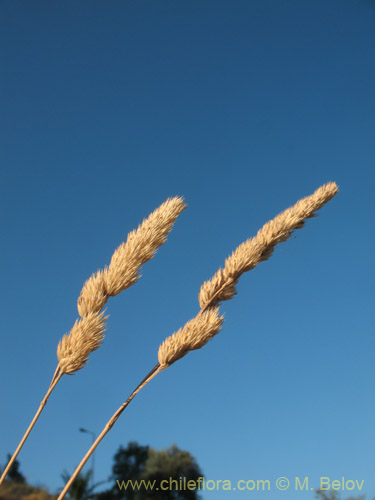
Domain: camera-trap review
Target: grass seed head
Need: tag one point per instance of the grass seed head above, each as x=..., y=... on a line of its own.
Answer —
x=194, y=335
x=85, y=337
x=259, y=248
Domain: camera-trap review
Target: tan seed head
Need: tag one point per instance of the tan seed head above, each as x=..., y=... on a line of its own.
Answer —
x=93, y=296
x=140, y=247
x=194, y=335
x=255, y=250
x=85, y=337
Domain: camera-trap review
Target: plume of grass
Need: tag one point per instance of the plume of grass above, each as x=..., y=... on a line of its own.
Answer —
x=193, y=335
x=85, y=337
x=259, y=248
x=87, y=333
x=123, y=270
x=199, y=330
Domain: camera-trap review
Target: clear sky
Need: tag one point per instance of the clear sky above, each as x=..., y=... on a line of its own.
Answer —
x=242, y=107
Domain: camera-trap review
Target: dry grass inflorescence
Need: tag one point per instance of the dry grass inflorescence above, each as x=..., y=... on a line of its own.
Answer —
x=88, y=332
x=123, y=271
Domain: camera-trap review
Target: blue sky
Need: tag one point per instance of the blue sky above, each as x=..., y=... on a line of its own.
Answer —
x=107, y=109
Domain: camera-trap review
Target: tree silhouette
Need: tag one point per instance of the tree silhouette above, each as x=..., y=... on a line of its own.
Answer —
x=128, y=464
x=14, y=473
x=142, y=463
x=172, y=469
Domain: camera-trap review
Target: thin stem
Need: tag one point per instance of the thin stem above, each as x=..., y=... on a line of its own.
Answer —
x=56, y=377
x=157, y=368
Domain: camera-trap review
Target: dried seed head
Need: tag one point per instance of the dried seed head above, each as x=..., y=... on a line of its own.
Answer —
x=194, y=335
x=85, y=337
x=123, y=271
x=141, y=246
x=255, y=250
x=93, y=296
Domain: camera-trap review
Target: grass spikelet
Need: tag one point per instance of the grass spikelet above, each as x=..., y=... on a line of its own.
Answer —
x=141, y=246
x=255, y=250
x=194, y=335
x=85, y=337
x=93, y=296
